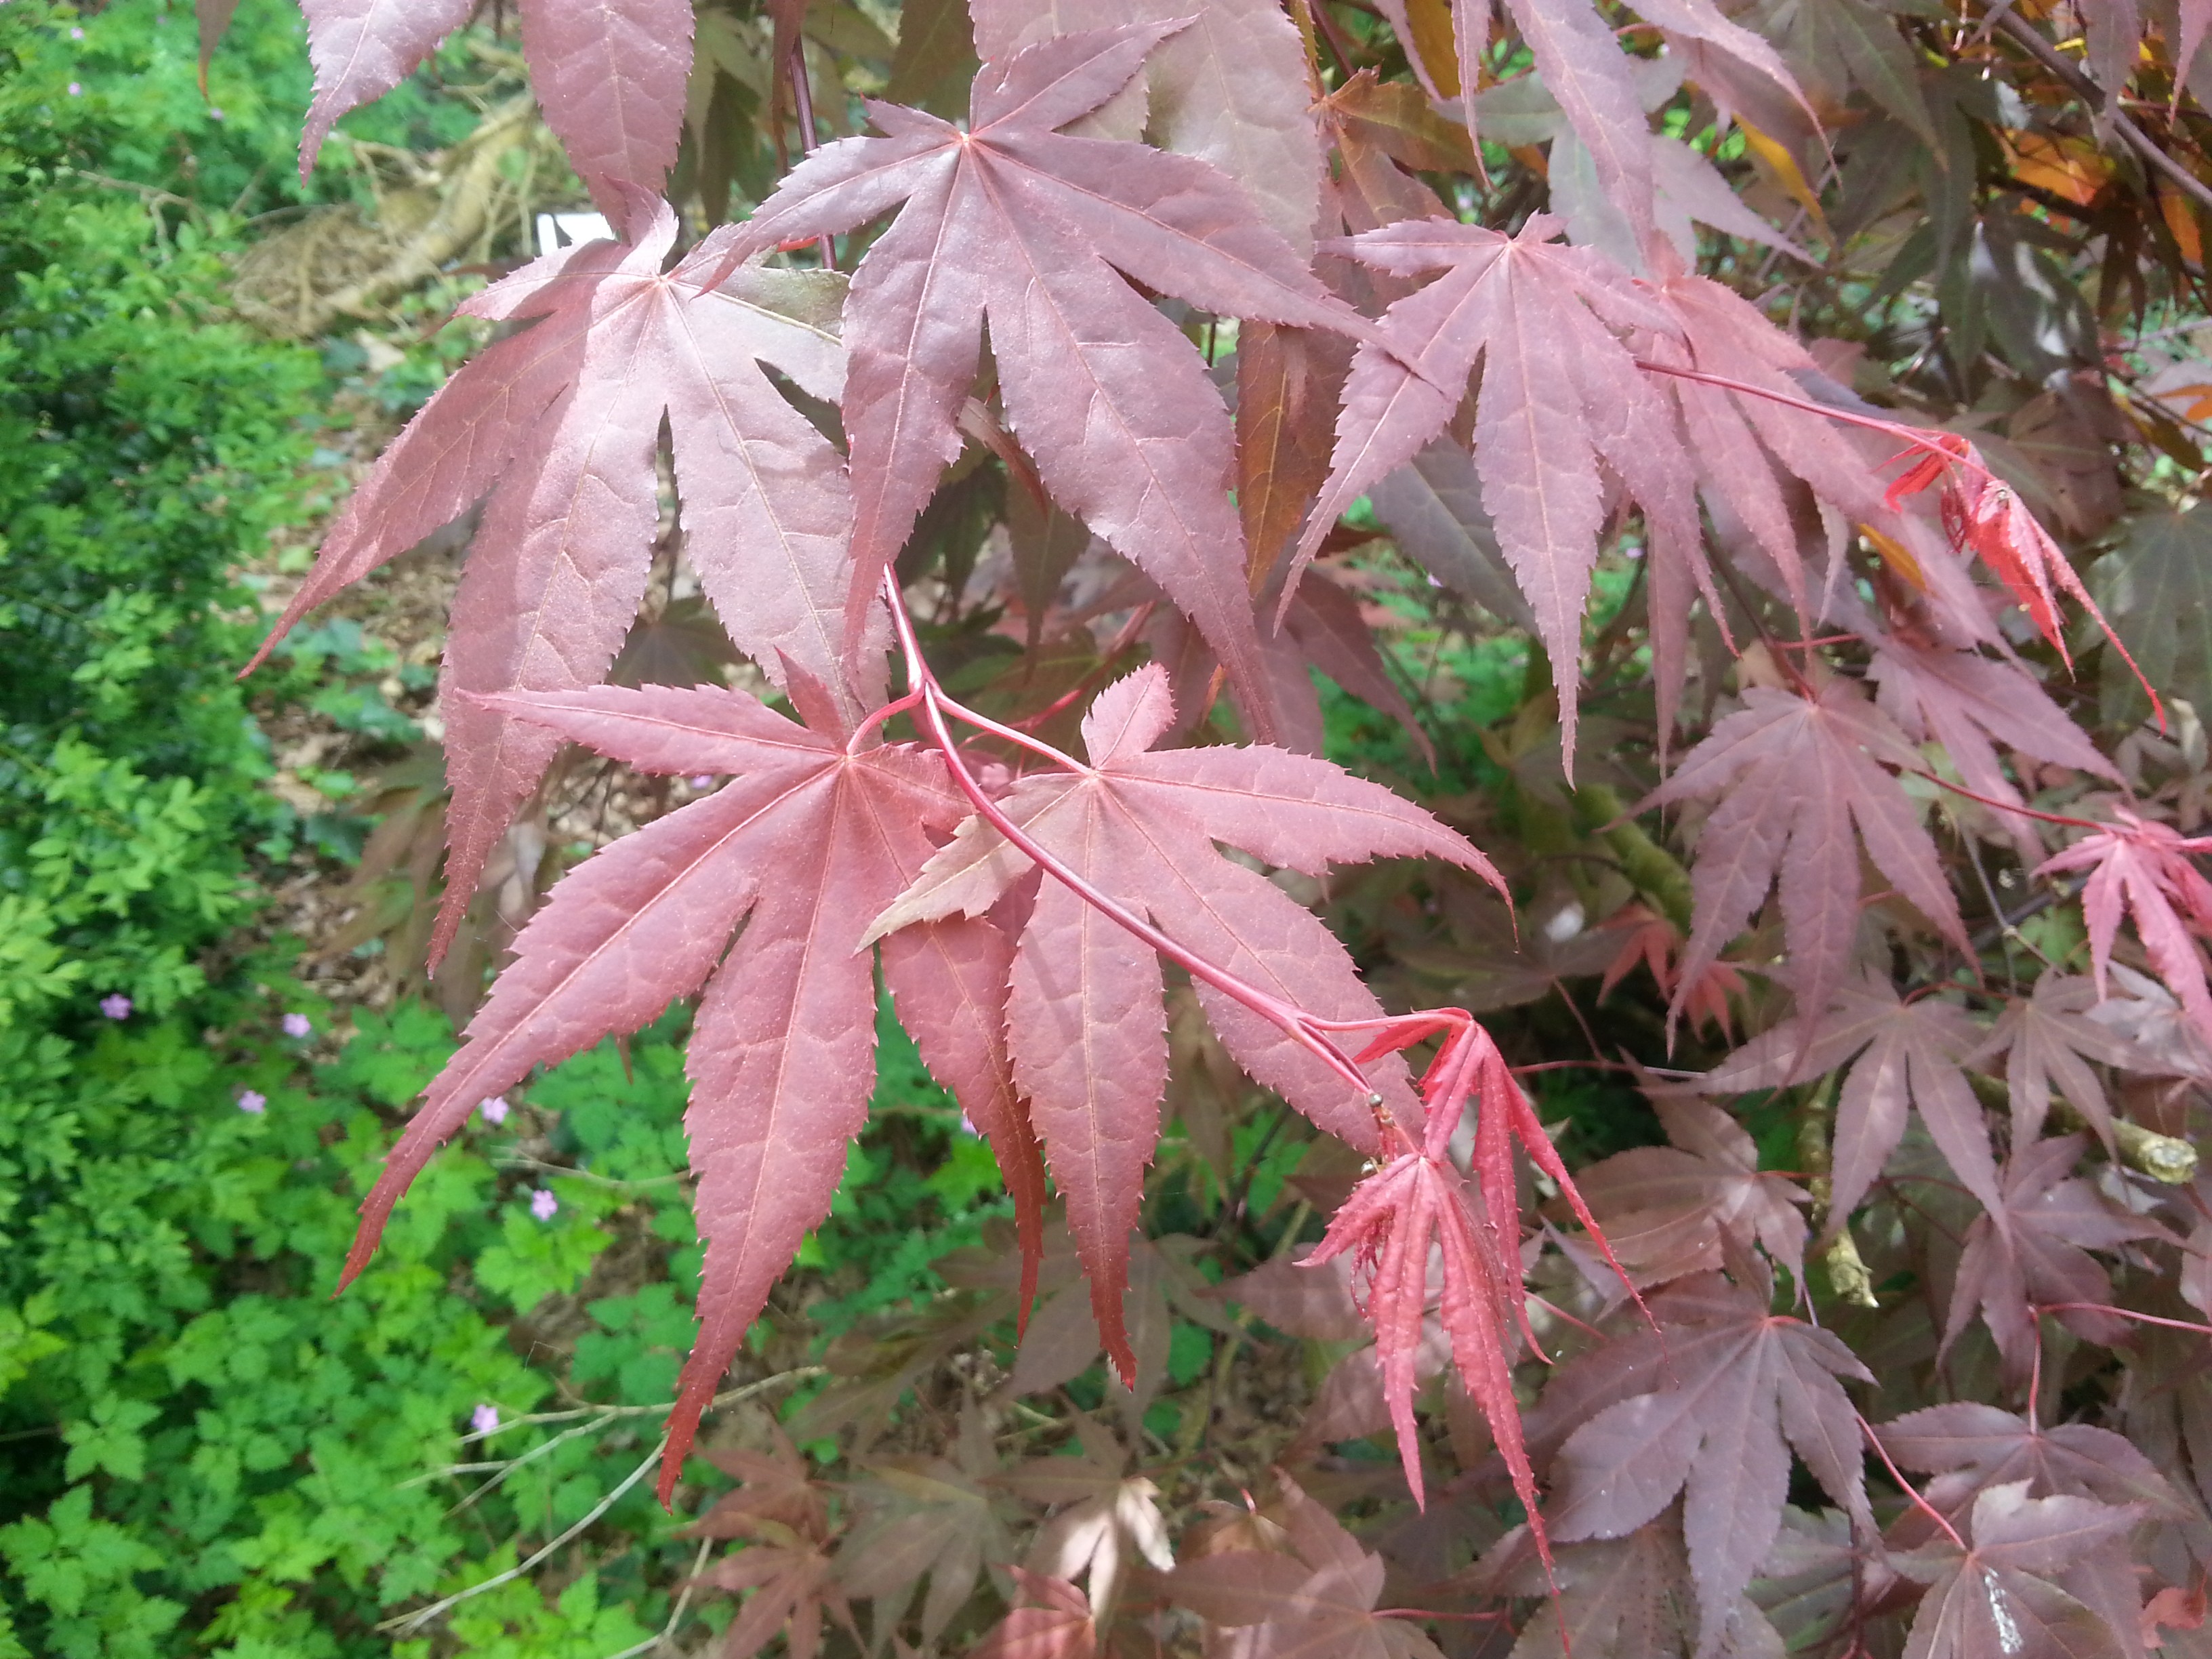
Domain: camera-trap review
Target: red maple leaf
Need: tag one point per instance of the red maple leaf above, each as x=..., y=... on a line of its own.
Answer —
x=1650, y=939
x=1742, y=1387
x=1670, y=1211
x=1419, y=1205
x=2031, y=1250
x=1796, y=776
x=609, y=77
x=1909, y=1053
x=1560, y=393
x=1032, y=228
x=1086, y=1024
x=2142, y=867
x=813, y=835
x=563, y=439
x=1996, y=1592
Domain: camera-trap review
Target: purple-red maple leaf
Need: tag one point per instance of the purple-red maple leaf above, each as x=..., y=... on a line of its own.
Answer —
x=2049, y=1042
x=1796, y=776
x=1559, y=394
x=1998, y=1598
x=1052, y=1621
x=1913, y=1053
x=558, y=424
x=1033, y=229
x=609, y=76
x=813, y=835
x=1739, y=1388
x=2031, y=1251
x=1316, y=1603
x=1086, y=1024
x=2142, y=867
x=1670, y=1211
x=1970, y=1446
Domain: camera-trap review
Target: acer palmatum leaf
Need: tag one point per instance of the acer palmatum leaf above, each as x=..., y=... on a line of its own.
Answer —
x=361, y=49
x=1666, y=1210
x=1317, y=1604
x=1085, y=1025
x=1419, y=1205
x=609, y=76
x=1654, y=940
x=2050, y=1043
x=809, y=838
x=1800, y=793
x=1970, y=1446
x=1740, y=1388
x=1054, y=1621
x=793, y=1586
x=2141, y=866
x=1228, y=87
x=1560, y=393
x=1032, y=230
x=1996, y=1599
x=2031, y=1248
x=1964, y=700
x=1907, y=1053
x=563, y=439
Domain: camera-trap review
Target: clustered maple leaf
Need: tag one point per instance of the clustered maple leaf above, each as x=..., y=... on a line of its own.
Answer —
x=1031, y=343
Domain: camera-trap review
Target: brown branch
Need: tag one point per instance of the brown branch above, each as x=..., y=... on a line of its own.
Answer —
x=2023, y=34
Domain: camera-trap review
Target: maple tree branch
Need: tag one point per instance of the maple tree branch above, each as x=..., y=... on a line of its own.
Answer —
x=2023, y=34
x=2040, y=1308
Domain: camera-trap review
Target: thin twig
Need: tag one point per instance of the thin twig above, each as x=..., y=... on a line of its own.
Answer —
x=2023, y=34
x=408, y=1623
x=675, y=1613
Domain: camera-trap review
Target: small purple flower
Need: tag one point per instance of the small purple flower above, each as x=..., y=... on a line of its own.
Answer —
x=484, y=1419
x=77, y=34
x=215, y=112
x=254, y=1102
x=298, y=1025
x=544, y=1205
x=75, y=91
x=704, y=780
x=494, y=1109
x=117, y=1007
x=969, y=1128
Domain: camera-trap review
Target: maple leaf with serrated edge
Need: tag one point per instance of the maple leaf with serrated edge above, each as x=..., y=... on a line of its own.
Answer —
x=1794, y=776
x=559, y=425
x=1032, y=228
x=608, y=78
x=1054, y=1621
x=2049, y=1042
x=812, y=835
x=1666, y=1210
x=1085, y=1025
x=1111, y=1516
x=1962, y=700
x=2142, y=867
x=1317, y=1602
x=1970, y=1446
x=782, y=1513
x=1741, y=1387
x=2031, y=1249
x=1995, y=1598
x=925, y=1516
x=1420, y=1204
x=1909, y=1054
x=1560, y=393
x=1650, y=939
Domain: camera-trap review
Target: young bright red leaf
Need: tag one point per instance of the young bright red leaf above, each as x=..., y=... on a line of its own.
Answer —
x=2143, y=866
